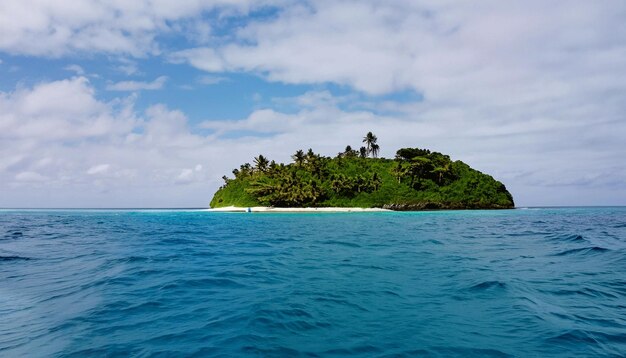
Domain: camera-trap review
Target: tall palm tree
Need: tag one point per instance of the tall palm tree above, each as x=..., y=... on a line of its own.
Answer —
x=261, y=163
x=376, y=182
x=399, y=171
x=369, y=139
x=375, y=148
x=335, y=183
x=245, y=169
x=359, y=182
x=441, y=172
x=273, y=167
x=418, y=167
x=298, y=158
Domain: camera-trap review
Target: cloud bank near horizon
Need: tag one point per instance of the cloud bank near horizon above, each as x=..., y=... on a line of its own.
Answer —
x=531, y=92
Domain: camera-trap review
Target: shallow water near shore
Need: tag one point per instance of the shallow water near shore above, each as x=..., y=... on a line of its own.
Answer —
x=535, y=282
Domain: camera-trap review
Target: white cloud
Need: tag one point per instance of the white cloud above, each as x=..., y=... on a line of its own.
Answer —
x=442, y=49
x=59, y=111
x=157, y=84
x=185, y=176
x=30, y=177
x=76, y=69
x=128, y=67
x=55, y=28
x=206, y=59
x=211, y=80
x=99, y=169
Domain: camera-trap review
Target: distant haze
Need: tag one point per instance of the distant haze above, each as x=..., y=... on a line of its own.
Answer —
x=150, y=103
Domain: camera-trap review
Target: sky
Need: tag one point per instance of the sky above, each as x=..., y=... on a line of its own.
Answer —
x=148, y=103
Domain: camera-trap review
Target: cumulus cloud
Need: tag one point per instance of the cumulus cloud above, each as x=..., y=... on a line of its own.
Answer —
x=98, y=169
x=211, y=80
x=55, y=28
x=157, y=84
x=76, y=69
x=445, y=50
x=127, y=67
x=30, y=177
x=189, y=175
x=59, y=111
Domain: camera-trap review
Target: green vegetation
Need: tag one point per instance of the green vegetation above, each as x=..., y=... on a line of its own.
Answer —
x=417, y=179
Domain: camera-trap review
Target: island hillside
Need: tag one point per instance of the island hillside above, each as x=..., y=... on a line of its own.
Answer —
x=416, y=179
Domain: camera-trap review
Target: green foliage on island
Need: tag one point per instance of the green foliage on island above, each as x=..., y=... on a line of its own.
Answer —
x=417, y=179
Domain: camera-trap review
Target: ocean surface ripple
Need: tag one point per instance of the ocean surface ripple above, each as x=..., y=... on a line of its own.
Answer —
x=536, y=282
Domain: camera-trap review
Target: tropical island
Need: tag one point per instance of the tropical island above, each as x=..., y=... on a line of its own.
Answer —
x=416, y=179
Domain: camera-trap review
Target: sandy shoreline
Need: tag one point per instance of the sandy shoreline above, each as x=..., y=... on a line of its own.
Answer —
x=266, y=209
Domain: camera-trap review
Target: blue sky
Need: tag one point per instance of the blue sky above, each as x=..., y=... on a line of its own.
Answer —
x=149, y=103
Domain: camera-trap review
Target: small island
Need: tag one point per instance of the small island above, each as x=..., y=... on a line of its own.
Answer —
x=416, y=179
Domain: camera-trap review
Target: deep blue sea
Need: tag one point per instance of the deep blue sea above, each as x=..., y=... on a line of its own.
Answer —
x=524, y=283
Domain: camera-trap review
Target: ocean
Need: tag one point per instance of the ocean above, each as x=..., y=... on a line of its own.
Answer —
x=540, y=282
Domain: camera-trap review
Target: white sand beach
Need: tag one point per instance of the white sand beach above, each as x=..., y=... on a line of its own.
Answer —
x=269, y=209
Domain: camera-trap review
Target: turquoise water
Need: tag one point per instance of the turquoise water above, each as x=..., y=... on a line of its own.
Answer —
x=536, y=282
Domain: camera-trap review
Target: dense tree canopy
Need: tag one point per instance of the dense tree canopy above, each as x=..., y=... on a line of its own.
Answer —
x=415, y=179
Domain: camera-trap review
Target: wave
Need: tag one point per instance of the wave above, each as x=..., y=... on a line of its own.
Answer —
x=593, y=250
x=341, y=243
x=576, y=336
x=13, y=234
x=585, y=291
x=573, y=238
x=208, y=283
x=489, y=286
x=469, y=352
x=14, y=258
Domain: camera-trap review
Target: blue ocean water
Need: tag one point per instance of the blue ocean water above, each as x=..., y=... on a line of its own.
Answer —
x=536, y=282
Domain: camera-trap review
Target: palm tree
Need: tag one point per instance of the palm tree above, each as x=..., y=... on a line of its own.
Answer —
x=399, y=171
x=317, y=168
x=349, y=152
x=262, y=187
x=245, y=169
x=375, y=148
x=418, y=167
x=359, y=182
x=375, y=182
x=261, y=163
x=441, y=171
x=298, y=158
x=335, y=183
x=311, y=159
x=363, y=152
x=369, y=139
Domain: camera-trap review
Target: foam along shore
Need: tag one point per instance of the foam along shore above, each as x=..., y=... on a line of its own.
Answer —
x=269, y=209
